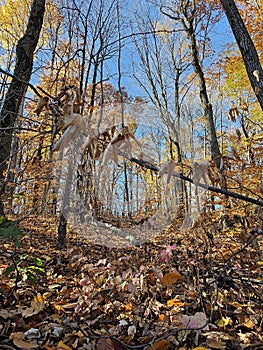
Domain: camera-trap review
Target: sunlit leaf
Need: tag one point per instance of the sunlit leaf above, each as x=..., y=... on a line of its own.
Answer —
x=61, y=345
x=162, y=317
x=249, y=324
x=175, y=302
x=224, y=322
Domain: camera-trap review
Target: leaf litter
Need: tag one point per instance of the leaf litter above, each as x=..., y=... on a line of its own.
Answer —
x=174, y=292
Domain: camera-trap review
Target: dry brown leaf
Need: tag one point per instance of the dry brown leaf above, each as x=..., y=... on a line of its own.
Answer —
x=159, y=345
x=19, y=341
x=105, y=344
x=216, y=344
x=170, y=278
x=37, y=305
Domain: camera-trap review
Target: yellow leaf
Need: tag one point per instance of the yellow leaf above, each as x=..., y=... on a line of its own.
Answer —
x=170, y=278
x=39, y=298
x=260, y=262
x=61, y=345
x=175, y=302
x=249, y=324
x=223, y=322
x=159, y=345
x=200, y=348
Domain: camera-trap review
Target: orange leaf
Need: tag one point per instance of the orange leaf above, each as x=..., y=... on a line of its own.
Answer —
x=159, y=345
x=128, y=307
x=170, y=278
x=161, y=317
x=175, y=302
x=249, y=324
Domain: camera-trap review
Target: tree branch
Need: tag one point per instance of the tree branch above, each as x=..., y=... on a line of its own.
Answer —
x=154, y=168
x=35, y=89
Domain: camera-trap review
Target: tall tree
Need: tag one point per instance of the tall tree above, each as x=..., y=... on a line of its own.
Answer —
x=22, y=73
x=246, y=47
x=187, y=14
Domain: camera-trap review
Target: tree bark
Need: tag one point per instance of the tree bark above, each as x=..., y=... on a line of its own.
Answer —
x=62, y=232
x=23, y=68
x=206, y=105
x=246, y=47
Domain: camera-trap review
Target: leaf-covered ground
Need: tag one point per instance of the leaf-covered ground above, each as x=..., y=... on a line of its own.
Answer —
x=198, y=289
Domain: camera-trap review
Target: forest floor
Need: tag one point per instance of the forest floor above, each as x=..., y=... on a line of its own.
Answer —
x=200, y=289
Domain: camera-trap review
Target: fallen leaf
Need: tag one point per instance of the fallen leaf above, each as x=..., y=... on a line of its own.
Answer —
x=198, y=321
x=216, y=344
x=105, y=344
x=249, y=324
x=175, y=302
x=224, y=322
x=37, y=305
x=170, y=278
x=19, y=341
x=131, y=331
x=159, y=345
x=161, y=317
x=63, y=346
x=166, y=255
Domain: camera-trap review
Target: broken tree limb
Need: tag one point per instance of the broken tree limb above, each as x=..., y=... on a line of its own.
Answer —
x=188, y=179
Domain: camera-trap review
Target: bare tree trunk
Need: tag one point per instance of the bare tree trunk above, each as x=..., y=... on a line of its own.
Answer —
x=62, y=232
x=23, y=68
x=246, y=47
x=206, y=105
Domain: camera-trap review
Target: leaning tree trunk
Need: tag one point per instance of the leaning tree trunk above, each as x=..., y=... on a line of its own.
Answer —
x=22, y=73
x=246, y=47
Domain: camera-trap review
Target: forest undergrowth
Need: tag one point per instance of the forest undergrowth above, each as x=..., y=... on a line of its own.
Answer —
x=186, y=289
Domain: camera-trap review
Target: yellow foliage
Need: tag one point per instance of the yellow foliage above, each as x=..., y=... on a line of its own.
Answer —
x=14, y=17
